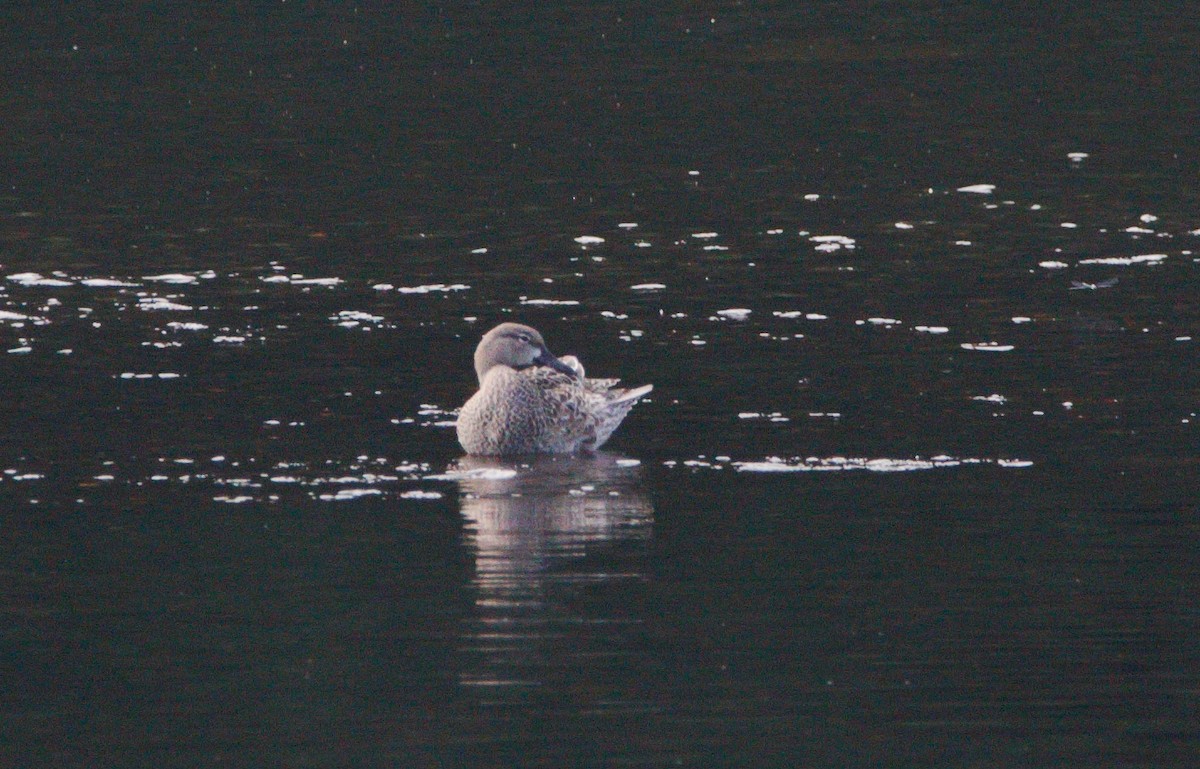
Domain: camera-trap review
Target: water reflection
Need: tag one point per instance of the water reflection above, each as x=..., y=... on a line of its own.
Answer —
x=542, y=529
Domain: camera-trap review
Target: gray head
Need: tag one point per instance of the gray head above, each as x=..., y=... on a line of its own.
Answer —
x=515, y=346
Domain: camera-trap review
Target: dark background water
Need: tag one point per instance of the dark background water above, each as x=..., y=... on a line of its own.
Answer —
x=832, y=537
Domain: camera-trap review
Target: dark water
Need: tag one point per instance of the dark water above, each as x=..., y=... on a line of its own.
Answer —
x=916, y=485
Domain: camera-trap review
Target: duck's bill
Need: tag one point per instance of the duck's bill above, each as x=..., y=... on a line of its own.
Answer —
x=546, y=359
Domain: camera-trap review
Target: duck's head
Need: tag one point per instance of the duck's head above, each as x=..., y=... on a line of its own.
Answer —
x=518, y=347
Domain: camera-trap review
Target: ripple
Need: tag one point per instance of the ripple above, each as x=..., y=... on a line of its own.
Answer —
x=476, y=473
x=173, y=277
x=420, y=494
x=878, y=465
x=343, y=495
x=36, y=279
x=773, y=416
x=987, y=347
x=155, y=303
x=549, y=302
x=432, y=288
x=107, y=283
x=1126, y=260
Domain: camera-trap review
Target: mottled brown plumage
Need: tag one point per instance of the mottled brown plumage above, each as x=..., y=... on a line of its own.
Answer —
x=530, y=402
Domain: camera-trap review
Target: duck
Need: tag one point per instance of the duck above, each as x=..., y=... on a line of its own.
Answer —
x=531, y=402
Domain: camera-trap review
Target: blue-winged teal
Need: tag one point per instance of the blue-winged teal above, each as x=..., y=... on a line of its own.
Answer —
x=530, y=402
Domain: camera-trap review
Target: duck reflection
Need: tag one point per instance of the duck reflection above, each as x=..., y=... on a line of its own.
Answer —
x=540, y=529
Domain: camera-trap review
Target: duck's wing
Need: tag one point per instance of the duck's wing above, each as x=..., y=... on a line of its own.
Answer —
x=577, y=413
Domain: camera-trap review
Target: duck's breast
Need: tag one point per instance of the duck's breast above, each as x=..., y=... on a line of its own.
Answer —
x=521, y=412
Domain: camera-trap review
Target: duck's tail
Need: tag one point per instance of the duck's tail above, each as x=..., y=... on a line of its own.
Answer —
x=632, y=395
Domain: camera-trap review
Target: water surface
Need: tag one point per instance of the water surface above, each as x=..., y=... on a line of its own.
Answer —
x=915, y=287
